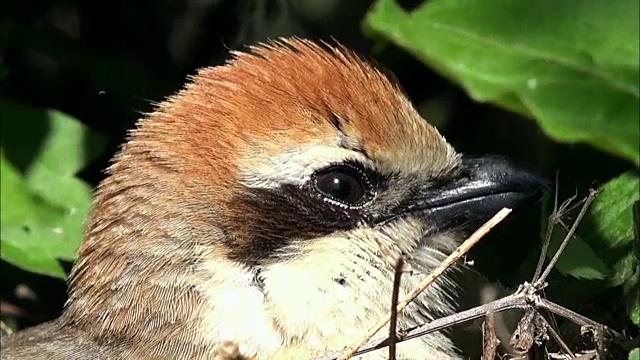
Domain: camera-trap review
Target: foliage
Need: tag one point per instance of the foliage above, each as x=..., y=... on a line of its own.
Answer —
x=43, y=203
x=569, y=68
x=537, y=59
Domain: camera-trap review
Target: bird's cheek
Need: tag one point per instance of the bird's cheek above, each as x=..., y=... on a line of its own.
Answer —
x=402, y=234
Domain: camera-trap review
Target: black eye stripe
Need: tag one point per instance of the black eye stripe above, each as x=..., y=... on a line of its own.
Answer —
x=273, y=218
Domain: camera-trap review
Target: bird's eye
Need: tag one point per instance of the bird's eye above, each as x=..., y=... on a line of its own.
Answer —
x=344, y=184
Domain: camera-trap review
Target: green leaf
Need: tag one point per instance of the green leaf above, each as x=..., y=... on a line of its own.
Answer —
x=44, y=204
x=634, y=354
x=612, y=211
x=25, y=219
x=622, y=265
x=572, y=66
x=608, y=226
x=35, y=139
x=29, y=260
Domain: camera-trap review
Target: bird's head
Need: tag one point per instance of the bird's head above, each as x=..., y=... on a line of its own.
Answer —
x=268, y=191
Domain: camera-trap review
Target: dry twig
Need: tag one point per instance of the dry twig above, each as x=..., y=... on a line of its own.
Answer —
x=489, y=338
x=593, y=193
x=500, y=328
x=395, y=293
x=555, y=214
x=528, y=297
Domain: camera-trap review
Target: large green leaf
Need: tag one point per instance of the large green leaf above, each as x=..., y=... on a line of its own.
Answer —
x=571, y=65
x=43, y=203
x=29, y=225
x=612, y=211
x=609, y=226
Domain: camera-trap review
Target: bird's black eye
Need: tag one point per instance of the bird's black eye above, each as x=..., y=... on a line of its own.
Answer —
x=343, y=184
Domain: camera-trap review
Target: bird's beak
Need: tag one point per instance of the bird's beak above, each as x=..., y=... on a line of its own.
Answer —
x=484, y=186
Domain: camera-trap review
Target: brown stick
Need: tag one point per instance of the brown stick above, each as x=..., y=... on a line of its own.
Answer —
x=489, y=338
x=395, y=293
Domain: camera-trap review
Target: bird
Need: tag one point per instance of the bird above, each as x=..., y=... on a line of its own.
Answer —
x=257, y=210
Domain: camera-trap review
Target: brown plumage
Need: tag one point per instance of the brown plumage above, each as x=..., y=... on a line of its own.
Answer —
x=210, y=227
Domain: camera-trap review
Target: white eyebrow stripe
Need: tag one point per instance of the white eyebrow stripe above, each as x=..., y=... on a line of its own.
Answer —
x=295, y=166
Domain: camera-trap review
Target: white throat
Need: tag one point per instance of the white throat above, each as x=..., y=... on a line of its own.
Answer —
x=326, y=297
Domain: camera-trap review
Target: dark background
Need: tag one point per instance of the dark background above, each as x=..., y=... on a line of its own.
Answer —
x=107, y=62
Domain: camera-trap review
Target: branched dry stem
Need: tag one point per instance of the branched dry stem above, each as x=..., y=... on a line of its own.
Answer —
x=529, y=296
x=555, y=214
x=593, y=193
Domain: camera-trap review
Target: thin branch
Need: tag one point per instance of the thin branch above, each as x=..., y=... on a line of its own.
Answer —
x=553, y=321
x=511, y=302
x=525, y=298
x=568, y=314
x=489, y=338
x=517, y=300
x=548, y=233
x=395, y=293
x=552, y=263
x=489, y=294
x=554, y=219
x=557, y=338
x=455, y=256
x=529, y=296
